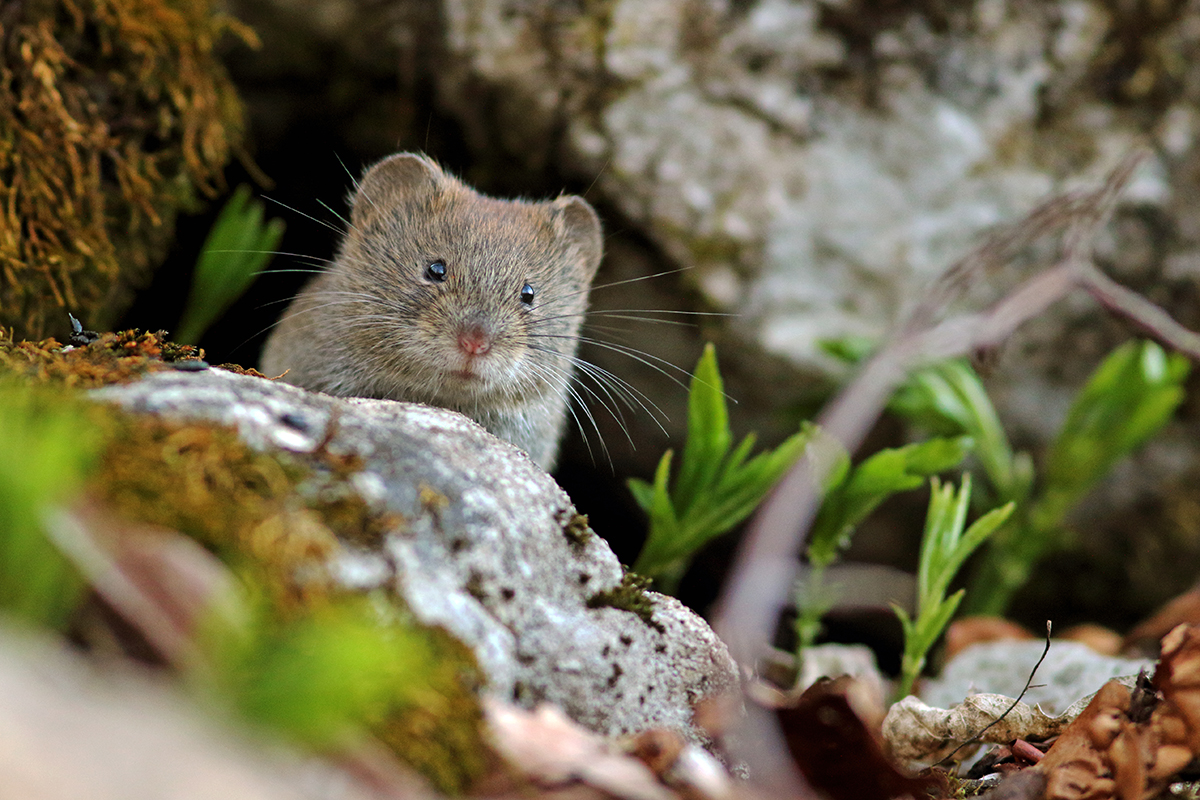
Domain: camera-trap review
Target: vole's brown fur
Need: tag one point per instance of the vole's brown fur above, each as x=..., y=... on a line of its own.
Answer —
x=380, y=323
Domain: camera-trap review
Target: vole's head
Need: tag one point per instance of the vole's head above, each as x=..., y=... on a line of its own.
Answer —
x=464, y=297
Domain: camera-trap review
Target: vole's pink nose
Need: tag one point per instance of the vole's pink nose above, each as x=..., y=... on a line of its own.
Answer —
x=474, y=341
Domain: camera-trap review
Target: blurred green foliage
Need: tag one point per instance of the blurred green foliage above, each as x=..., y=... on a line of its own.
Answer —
x=48, y=449
x=237, y=249
x=1127, y=399
x=322, y=678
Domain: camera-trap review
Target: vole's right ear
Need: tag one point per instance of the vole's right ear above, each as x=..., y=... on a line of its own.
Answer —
x=390, y=181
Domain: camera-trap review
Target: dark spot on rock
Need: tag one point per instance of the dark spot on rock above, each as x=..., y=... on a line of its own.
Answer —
x=641, y=699
x=584, y=578
x=626, y=639
x=660, y=648
x=507, y=594
x=293, y=421
x=616, y=675
x=458, y=545
x=756, y=63
x=604, y=653
x=525, y=660
x=474, y=586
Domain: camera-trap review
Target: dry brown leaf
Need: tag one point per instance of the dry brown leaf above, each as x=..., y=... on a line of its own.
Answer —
x=1100, y=639
x=915, y=731
x=685, y=767
x=1182, y=610
x=1178, y=678
x=550, y=751
x=1129, y=745
x=840, y=754
x=1099, y=754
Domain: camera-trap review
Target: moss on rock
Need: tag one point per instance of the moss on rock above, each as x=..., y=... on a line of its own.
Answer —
x=107, y=359
x=278, y=519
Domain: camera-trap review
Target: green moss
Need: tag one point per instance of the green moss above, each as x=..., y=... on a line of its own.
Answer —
x=286, y=521
x=439, y=730
x=630, y=595
x=308, y=658
x=126, y=117
x=577, y=530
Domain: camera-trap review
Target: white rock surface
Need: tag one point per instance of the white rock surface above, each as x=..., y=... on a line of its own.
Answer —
x=1071, y=671
x=483, y=550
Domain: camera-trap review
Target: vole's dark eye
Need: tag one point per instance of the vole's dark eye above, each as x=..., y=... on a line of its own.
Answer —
x=436, y=271
x=527, y=294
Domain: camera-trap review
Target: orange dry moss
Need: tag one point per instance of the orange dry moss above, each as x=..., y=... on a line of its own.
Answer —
x=110, y=358
x=114, y=115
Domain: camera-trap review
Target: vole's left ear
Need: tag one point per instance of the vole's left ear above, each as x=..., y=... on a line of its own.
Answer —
x=576, y=224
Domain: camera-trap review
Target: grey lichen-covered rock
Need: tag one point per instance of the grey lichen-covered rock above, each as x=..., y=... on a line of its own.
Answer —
x=490, y=548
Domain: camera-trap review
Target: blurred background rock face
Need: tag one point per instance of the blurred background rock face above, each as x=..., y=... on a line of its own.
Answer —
x=807, y=166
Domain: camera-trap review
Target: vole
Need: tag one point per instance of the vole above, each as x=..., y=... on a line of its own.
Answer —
x=445, y=296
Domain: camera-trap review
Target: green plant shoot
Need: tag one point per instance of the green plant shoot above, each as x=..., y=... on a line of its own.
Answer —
x=948, y=399
x=1128, y=398
x=48, y=449
x=237, y=249
x=716, y=487
x=851, y=496
x=944, y=548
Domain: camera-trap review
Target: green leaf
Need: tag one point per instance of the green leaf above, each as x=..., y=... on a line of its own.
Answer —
x=949, y=399
x=880, y=476
x=850, y=349
x=237, y=249
x=1128, y=398
x=944, y=549
x=643, y=492
x=709, y=437
x=715, y=489
x=663, y=537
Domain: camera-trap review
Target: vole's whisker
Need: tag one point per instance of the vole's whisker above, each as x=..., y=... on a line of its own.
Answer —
x=344, y=221
x=286, y=253
x=639, y=278
x=647, y=320
x=294, y=314
x=640, y=356
x=611, y=404
x=640, y=313
x=317, y=220
x=563, y=382
x=626, y=392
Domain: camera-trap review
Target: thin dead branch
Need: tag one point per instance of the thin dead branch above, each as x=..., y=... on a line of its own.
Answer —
x=765, y=568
